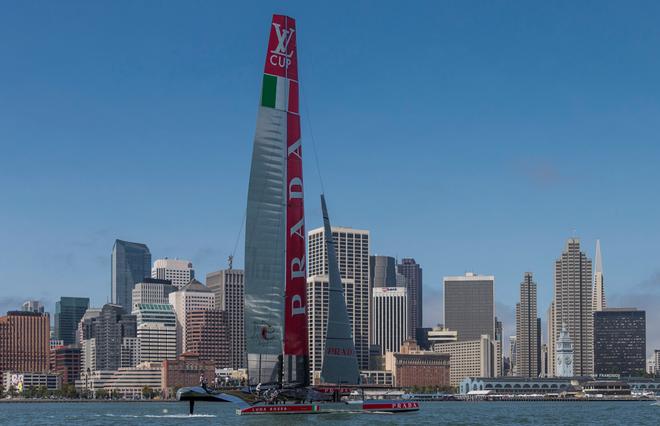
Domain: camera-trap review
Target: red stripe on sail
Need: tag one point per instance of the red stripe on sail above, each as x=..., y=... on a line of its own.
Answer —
x=281, y=58
x=295, y=310
x=293, y=97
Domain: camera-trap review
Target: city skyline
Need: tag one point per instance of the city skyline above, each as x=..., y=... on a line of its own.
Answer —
x=543, y=175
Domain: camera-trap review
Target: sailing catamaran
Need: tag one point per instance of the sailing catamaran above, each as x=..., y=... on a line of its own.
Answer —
x=276, y=269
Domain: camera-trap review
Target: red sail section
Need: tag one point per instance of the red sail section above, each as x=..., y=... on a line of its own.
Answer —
x=282, y=58
x=282, y=61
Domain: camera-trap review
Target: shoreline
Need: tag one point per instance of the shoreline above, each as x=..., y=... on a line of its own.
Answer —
x=148, y=401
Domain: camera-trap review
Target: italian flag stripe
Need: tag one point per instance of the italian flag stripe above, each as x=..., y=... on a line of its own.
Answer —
x=275, y=92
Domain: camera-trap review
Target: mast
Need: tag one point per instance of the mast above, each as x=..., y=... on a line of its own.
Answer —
x=275, y=266
x=339, y=358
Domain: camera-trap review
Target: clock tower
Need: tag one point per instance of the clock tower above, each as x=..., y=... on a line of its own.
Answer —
x=564, y=354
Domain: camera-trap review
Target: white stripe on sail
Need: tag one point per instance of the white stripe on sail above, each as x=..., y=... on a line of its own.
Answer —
x=282, y=94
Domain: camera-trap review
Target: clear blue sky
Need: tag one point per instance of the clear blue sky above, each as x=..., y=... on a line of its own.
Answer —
x=468, y=135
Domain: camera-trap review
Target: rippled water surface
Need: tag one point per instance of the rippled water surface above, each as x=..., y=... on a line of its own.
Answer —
x=434, y=413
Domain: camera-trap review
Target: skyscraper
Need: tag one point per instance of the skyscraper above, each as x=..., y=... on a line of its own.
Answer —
x=382, y=271
x=413, y=273
x=207, y=334
x=151, y=290
x=24, y=342
x=228, y=286
x=469, y=305
x=620, y=341
x=131, y=263
x=527, y=329
x=550, y=324
x=352, y=246
x=573, y=305
x=68, y=312
x=156, y=331
x=390, y=317
x=109, y=339
x=179, y=272
x=599, y=282
x=194, y=296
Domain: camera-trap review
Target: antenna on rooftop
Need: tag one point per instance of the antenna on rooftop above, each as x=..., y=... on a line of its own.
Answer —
x=230, y=259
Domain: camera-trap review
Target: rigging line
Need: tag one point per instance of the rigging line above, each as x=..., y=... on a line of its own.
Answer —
x=240, y=231
x=311, y=131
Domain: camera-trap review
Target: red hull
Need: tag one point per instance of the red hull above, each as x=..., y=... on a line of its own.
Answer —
x=367, y=407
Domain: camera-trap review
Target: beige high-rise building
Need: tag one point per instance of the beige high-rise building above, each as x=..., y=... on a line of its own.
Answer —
x=194, y=296
x=470, y=358
x=573, y=308
x=389, y=317
x=228, y=286
x=178, y=271
x=550, y=367
x=599, y=282
x=352, y=247
x=526, y=329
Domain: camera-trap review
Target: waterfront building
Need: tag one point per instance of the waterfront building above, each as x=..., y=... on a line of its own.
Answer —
x=131, y=263
x=470, y=358
x=599, y=302
x=413, y=367
x=656, y=360
x=317, y=318
x=620, y=341
x=109, y=339
x=555, y=385
x=194, y=296
x=352, y=247
x=469, y=305
x=178, y=272
x=24, y=342
x=390, y=317
x=564, y=359
x=515, y=385
x=68, y=312
x=184, y=371
x=156, y=331
x=33, y=306
x=573, y=306
x=19, y=381
x=67, y=362
x=207, y=334
x=128, y=383
x=412, y=271
x=228, y=286
x=377, y=377
x=527, y=338
x=151, y=290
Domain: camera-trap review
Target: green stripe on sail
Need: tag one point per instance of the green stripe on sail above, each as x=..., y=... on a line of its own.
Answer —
x=268, y=91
